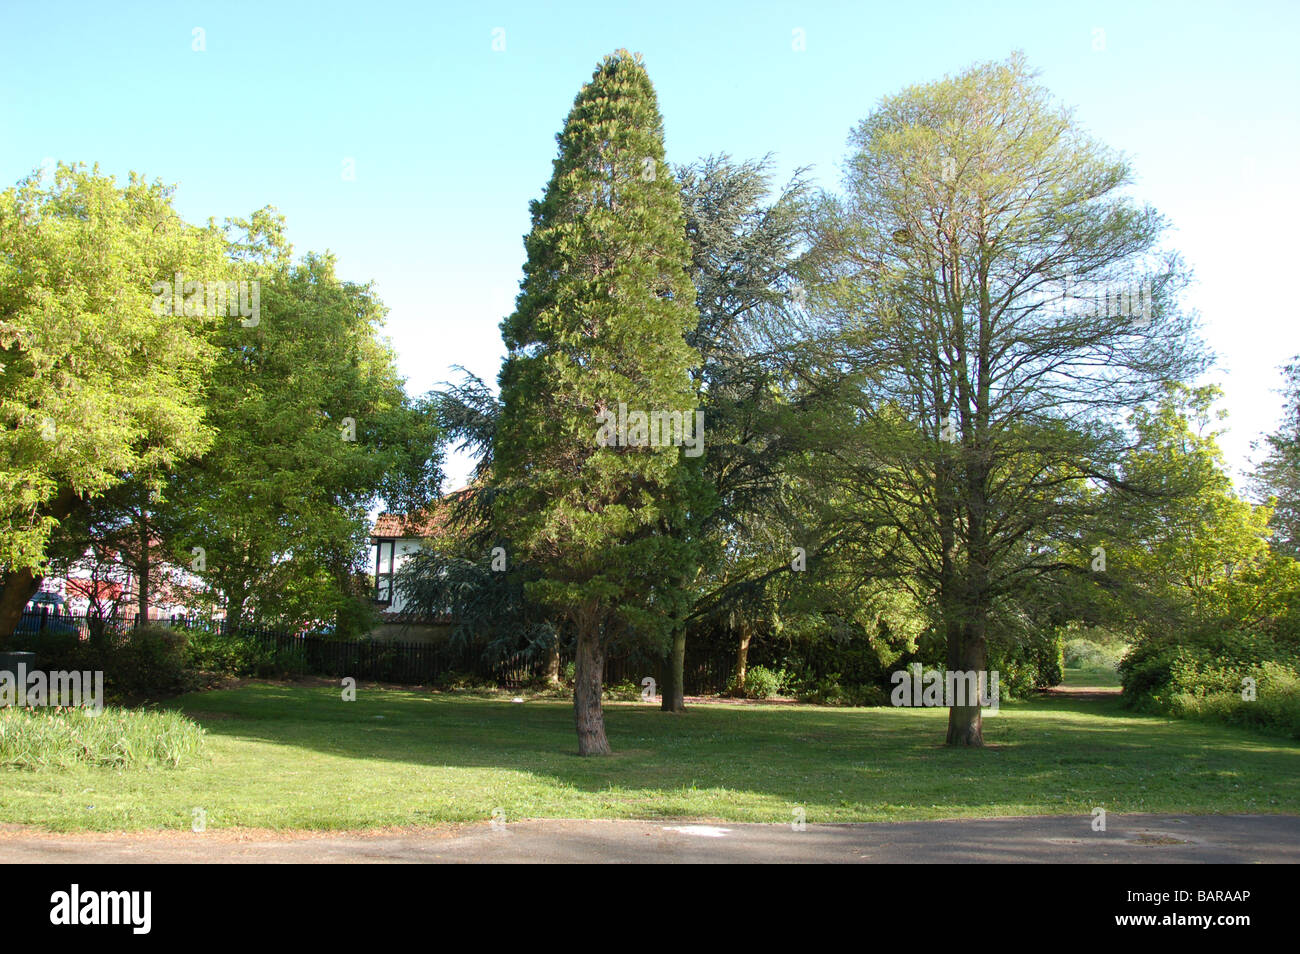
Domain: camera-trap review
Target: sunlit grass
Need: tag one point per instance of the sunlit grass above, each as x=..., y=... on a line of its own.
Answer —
x=296, y=757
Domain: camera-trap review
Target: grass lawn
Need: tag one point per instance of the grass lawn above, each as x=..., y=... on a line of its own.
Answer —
x=282, y=756
x=1090, y=677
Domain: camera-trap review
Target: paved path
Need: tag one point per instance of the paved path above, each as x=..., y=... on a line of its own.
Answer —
x=1131, y=838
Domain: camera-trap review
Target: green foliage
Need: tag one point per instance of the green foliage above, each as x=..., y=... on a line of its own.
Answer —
x=975, y=421
x=763, y=683
x=1086, y=654
x=96, y=383
x=44, y=739
x=468, y=683
x=1186, y=555
x=215, y=652
x=625, y=691
x=490, y=610
x=745, y=246
x=312, y=428
x=1214, y=694
x=1156, y=667
x=600, y=321
x=833, y=690
x=151, y=661
x=1278, y=476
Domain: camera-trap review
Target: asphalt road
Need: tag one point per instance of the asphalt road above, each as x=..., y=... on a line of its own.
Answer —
x=1128, y=839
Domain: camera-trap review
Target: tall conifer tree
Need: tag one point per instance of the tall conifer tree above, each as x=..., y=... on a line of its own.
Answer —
x=600, y=324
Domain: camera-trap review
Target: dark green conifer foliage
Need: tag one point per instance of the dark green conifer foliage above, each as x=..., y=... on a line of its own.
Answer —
x=600, y=321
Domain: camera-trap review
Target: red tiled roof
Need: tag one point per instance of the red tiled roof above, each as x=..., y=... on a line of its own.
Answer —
x=429, y=522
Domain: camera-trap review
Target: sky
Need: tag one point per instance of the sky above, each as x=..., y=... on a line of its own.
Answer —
x=409, y=138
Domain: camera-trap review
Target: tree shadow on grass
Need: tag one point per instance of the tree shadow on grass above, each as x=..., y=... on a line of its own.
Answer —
x=1062, y=754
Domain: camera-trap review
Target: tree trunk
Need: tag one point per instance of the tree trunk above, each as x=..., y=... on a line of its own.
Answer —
x=967, y=653
x=589, y=677
x=553, y=665
x=742, y=658
x=672, y=694
x=142, y=574
x=235, y=600
x=19, y=587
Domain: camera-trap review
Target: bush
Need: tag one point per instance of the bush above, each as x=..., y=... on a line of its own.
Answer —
x=465, y=682
x=1203, y=676
x=153, y=660
x=38, y=739
x=1026, y=664
x=228, y=655
x=1215, y=695
x=292, y=661
x=625, y=691
x=1159, y=665
x=829, y=691
x=763, y=683
x=1083, y=653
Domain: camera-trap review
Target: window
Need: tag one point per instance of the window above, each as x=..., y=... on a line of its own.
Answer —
x=385, y=553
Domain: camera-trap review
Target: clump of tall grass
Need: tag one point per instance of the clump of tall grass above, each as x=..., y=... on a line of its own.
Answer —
x=52, y=738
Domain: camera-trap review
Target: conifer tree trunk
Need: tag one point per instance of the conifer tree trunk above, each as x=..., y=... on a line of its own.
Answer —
x=673, y=690
x=588, y=682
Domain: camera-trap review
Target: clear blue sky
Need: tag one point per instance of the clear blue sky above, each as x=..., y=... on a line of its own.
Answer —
x=450, y=139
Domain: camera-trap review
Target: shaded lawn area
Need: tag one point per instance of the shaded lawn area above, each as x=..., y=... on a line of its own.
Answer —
x=281, y=756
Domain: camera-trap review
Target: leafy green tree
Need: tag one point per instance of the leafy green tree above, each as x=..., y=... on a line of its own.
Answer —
x=101, y=378
x=1278, y=475
x=982, y=403
x=1184, y=553
x=600, y=326
x=745, y=249
x=312, y=428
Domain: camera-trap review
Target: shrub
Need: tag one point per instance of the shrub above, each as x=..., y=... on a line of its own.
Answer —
x=465, y=682
x=39, y=739
x=1158, y=665
x=292, y=661
x=227, y=654
x=1215, y=695
x=1081, y=653
x=153, y=660
x=829, y=691
x=625, y=691
x=1029, y=663
x=1202, y=676
x=763, y=683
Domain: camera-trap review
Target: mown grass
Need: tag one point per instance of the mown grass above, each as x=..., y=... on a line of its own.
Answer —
x=296, y=757
x=1084, y=678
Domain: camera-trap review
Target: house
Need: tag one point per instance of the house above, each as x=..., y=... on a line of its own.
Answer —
x=394, y=538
